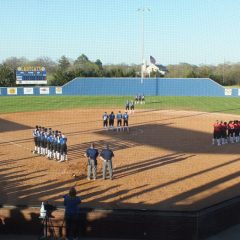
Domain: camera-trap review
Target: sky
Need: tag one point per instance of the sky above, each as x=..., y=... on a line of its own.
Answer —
x=175, y=31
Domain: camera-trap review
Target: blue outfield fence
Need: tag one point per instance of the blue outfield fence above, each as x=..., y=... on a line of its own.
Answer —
x=127, y=87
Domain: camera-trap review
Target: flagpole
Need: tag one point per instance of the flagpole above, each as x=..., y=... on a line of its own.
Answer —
x=143, y=42
x=142, y=72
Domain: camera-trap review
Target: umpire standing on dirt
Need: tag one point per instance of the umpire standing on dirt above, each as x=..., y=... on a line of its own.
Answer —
x=92, y=154
x=107, y=155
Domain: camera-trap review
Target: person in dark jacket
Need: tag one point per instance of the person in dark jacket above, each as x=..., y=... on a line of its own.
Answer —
x=92, y=154
x=72, y=214
x=106, y=155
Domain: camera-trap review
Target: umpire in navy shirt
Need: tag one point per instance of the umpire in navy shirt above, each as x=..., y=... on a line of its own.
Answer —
x=107, y=155
x=92, y=154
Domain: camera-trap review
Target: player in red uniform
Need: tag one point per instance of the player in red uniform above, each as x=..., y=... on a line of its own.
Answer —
x=231, y=132
x=216, y=133
x=239, y=131
x=222, y=141
x=224, y=133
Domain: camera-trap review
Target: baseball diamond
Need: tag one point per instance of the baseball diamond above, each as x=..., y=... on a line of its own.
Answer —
x=166, y=162
x=119, y=119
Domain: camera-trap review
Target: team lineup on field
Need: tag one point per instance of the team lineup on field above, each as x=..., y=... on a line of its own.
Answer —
x=50, y=143
x=53, y=143
x=226, y=132
x=163, y=147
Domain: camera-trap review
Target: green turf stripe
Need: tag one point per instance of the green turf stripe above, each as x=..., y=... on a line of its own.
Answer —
x=35, y=103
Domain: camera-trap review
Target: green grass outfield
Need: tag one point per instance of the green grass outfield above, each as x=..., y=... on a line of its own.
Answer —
x=43, y=103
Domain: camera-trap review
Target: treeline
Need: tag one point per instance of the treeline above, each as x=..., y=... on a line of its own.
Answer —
x=226, y=74
x=65, y=69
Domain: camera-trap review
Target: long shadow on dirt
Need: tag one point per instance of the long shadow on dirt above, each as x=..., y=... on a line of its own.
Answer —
x=6, y=126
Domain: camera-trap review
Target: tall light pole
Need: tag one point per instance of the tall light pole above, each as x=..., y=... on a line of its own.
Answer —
x=143, y=10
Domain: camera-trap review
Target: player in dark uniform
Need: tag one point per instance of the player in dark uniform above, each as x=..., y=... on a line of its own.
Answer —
x=39, y=141
x=58, y=145
x=125, y=121
x=35, y=137
x=92, y=154
x=49, y=145
x=49, y=131
x=111, y=120
x=131, y=104
x=136, y=99
x=54, y=146
x=105, y=120
x=143, y=99
x=45, y=141
x=106, y=155
x=42, y=141
x=63, y=149
x=140, y=98
x=127, y=105
x=45, y=136
x=119, y=121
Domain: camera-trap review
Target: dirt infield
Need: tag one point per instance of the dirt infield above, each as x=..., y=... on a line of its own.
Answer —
x=166, y=162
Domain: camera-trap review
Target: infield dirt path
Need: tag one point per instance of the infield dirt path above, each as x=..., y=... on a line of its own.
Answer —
x=166, y=162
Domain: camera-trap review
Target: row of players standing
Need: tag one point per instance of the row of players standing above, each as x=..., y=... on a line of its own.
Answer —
x=122, y=121
x=140, y=99
x=49, y=143
x=129, y=106
x=224, y=133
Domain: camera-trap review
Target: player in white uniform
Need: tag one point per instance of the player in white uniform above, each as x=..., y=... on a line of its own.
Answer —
x=105, y=120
